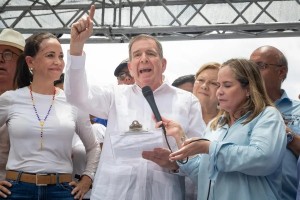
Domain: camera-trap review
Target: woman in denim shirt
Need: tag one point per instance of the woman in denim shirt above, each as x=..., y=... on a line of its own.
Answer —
x=241, y=154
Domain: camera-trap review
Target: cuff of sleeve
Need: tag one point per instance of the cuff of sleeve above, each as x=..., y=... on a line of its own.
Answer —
x=76, y=62
x=183, y=167
x=213, y=171
x=89, y=174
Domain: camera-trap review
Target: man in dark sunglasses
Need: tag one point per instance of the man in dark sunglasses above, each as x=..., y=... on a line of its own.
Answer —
x=123, y=75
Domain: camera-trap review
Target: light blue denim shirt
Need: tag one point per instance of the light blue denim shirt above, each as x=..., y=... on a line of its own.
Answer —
x=244, y=161
x=290, y=110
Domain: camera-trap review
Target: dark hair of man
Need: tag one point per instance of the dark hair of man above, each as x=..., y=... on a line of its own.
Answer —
x=184, y=79
x=60, y=80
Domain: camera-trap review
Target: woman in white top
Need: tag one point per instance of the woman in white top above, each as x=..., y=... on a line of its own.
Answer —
x=41, y=125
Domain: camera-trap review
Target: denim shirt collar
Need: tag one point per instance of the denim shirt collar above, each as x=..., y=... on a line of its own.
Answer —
x=284, y=97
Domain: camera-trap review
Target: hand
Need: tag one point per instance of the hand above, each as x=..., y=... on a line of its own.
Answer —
x=80, y=32
x=190, y=147
x=173, y=129
x=3, y=188
x=161, y=157
x=82, y=187
x=287, y=129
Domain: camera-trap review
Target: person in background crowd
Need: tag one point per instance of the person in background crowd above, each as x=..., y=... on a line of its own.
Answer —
x=99, y=129
x=97, y=120
x=205, y=88
x=79, y=156
x=60, y=82
x=205, y=85
x=11, y=46
x=41, y=125
x=241, y=154
x=122, y=73
x=273, y=67
x=122, y=172
x=185, y=82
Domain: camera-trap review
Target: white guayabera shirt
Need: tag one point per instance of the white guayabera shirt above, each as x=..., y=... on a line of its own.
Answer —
x=122, y=173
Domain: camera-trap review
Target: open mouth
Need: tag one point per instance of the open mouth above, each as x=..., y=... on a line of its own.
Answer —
x=145, y=71
x=2, y=69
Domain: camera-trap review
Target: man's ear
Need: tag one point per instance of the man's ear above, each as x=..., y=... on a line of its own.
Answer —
x=164, y=65
x=129, y=66
x=283, y=70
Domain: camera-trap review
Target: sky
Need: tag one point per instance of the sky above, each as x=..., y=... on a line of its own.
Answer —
x=186, y=57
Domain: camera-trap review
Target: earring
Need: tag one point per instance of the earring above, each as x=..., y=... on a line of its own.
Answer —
x=31, y=69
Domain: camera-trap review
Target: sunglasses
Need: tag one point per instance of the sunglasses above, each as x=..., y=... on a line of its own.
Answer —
x=123, y=75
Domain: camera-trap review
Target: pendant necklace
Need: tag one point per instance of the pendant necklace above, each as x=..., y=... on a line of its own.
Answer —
x=42, y=122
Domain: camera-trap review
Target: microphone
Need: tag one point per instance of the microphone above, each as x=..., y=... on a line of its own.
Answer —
x=148, y=94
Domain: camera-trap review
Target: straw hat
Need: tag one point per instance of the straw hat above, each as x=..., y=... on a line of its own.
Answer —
x=12, y=38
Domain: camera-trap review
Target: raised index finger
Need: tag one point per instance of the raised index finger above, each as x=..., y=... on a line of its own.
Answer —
x=92, y=12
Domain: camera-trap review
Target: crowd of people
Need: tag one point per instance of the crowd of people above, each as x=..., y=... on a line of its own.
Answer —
x=230, y=127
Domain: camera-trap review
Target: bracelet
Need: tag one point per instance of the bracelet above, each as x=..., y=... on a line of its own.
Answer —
x=290, y=136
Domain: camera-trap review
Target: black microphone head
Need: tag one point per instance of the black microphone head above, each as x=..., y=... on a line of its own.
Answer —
x=148, y=94
x=147, y=91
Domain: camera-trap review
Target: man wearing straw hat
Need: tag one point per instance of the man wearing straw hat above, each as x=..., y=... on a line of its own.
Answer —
x=11, y=47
